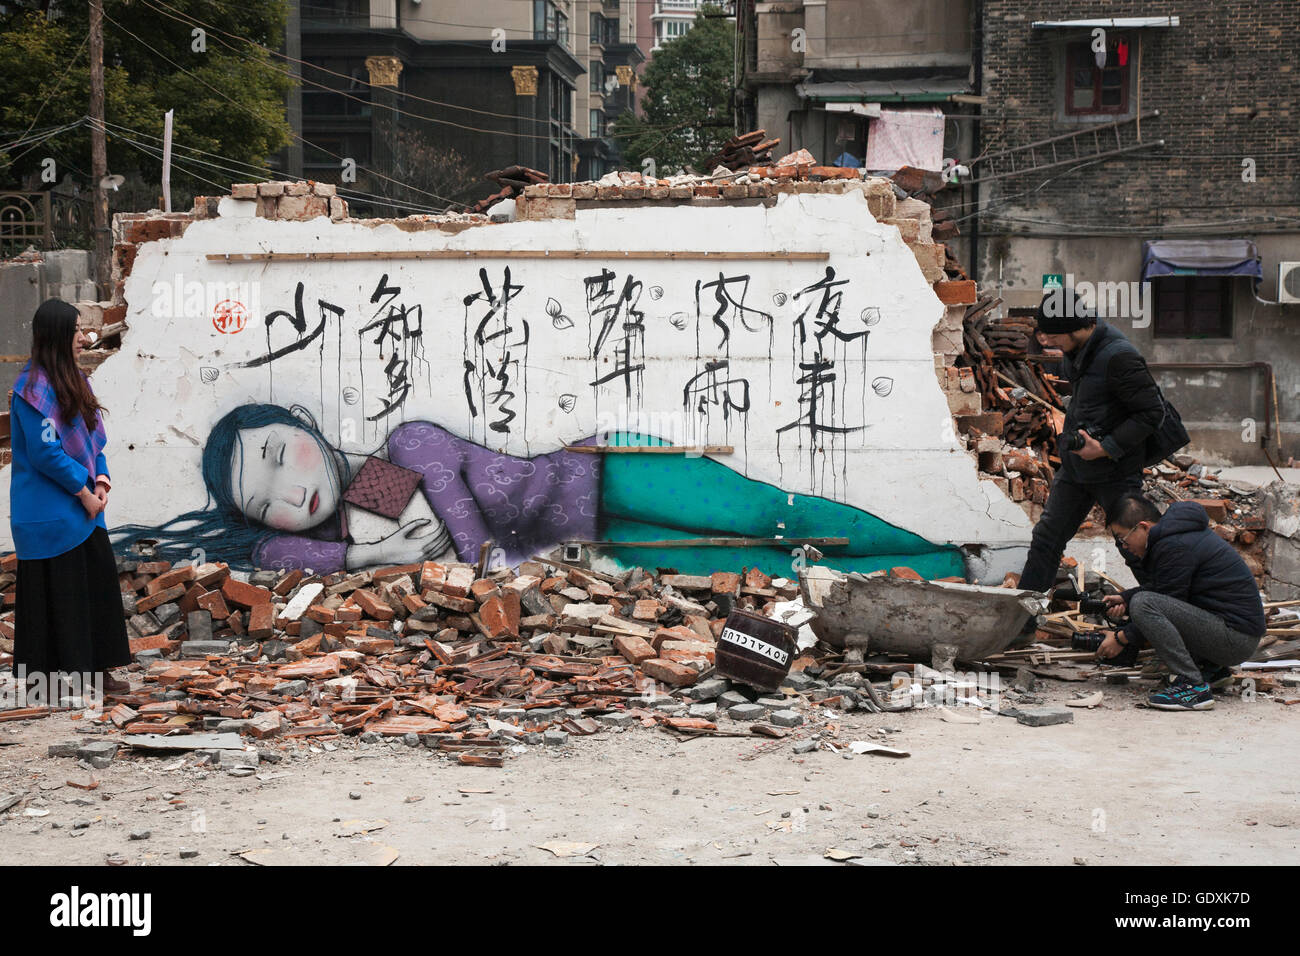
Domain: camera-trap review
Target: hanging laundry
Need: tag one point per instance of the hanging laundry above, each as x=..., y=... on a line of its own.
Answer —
x=906, y=137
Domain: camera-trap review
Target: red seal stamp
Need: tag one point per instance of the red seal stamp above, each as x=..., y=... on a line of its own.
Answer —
x=229, y=317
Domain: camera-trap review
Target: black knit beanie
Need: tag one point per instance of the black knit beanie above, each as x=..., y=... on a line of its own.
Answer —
x=1062, y=311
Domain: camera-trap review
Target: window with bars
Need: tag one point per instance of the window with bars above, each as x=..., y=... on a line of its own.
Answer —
x=1091, y=89
x=1198, y=307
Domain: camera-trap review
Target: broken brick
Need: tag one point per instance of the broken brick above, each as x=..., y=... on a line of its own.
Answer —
x=261, y=621
x=906, y=573
x=635, y=650
x=243, y=595
x=670, y=672
x=725, y=582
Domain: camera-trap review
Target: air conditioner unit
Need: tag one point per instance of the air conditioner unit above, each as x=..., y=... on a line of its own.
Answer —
x=1288, y=282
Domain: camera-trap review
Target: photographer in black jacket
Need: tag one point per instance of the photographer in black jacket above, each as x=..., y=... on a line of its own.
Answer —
x=1115, y=406
x=1198, y=606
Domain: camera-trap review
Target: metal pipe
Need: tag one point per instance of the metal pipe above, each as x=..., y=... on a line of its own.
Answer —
x=977, y=54
x=1268, y=385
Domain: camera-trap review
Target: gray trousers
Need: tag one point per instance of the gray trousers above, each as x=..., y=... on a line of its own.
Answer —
x=1183, y=634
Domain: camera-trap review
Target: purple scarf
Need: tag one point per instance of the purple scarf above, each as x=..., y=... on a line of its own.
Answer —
x=78, y=441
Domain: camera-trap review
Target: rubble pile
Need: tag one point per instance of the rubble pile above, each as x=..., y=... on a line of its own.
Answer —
x=440, y=655
x=280, y=200
x=513, y=180
x=1014, y=432
x=741, y=152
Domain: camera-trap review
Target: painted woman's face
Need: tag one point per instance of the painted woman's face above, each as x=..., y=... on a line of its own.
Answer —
x=282, y=478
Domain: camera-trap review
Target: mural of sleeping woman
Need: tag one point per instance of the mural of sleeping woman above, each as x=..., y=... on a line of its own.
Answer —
x=281, y=496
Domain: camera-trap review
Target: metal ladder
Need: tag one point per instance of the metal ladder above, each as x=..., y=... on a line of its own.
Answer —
x=1067, y=149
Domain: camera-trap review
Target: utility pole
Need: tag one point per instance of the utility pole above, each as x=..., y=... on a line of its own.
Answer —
x=99, y=152
x=167, y=161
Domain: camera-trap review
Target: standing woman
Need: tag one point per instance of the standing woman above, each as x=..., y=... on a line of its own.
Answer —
x=69, y=606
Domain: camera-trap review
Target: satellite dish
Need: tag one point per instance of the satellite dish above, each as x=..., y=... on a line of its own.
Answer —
x=112, y=182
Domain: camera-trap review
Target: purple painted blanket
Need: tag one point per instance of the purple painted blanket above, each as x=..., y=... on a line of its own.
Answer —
x=524, y=505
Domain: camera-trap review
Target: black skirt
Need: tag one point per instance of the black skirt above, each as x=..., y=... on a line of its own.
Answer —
x=68, y=611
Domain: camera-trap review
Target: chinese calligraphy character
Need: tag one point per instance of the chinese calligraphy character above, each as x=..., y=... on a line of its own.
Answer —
x=496, y=353
x=400, y=328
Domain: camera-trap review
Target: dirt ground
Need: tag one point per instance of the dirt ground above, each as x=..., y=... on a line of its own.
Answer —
x=1120, y=785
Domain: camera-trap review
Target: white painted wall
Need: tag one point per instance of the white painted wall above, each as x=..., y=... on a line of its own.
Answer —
x=906, y=467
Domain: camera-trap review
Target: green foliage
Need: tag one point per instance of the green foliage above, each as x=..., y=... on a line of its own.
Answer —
x=687, y=104
x=228, y=98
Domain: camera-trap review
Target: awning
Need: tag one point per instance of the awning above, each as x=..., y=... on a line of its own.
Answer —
x=924, y=90
x=870, y=110
x=1201, y=257
x=1110, y=23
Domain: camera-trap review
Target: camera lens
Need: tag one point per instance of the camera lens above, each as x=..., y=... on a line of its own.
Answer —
x=1087, y=642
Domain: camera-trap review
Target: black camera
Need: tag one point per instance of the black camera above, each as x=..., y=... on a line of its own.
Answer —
x=1068, y=593
x=1073, y=441
x=1087, y=642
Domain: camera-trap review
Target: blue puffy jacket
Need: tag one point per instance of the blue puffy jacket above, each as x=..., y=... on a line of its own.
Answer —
x=1188, y=561
x=44, y=514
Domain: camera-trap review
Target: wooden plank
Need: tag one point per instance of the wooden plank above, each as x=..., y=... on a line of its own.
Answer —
x=512, y=254
x=1028, y=394
x=717, y=543
x=27, y=713
x=651, y=449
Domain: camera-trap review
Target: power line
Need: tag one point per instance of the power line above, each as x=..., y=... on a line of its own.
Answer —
x=1147, y=229
x=251, y=113
x=250, y=171
x=48, y=133
x=183, y=161
x=579, y=34
x=357, y=99
x=49, y=96
x=180, y=17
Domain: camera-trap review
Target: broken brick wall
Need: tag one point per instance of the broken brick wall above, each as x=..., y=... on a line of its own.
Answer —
x=803, y=330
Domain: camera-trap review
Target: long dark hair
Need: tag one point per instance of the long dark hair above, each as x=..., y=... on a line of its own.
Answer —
x=53, y=328
x=220, y=529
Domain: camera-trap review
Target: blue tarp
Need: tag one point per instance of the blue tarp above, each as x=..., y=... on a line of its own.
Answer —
x=1201, y=257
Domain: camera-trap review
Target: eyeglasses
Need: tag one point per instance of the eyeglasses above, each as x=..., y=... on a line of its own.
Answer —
x=1123, y=542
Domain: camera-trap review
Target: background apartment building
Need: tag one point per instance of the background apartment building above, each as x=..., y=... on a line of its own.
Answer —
x=1120, y=143
x=432, y=95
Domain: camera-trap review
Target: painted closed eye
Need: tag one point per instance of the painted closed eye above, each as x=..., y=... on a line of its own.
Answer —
x=280, y=459
x=262, y=514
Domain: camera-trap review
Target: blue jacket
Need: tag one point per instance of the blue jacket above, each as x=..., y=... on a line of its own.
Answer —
x=1186, y=560
x=44, y=513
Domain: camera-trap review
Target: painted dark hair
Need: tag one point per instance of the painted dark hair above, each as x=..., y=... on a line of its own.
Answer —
x=220, y=528
x=53, y=328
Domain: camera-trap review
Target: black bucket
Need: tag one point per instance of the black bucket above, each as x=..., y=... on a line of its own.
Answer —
x=755, y=650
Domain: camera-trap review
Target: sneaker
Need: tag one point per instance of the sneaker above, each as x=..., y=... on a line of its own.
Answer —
x=1219, y=678
x=1182, y=694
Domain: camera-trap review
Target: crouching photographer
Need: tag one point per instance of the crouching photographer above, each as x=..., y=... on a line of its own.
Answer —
x=1198, y=605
